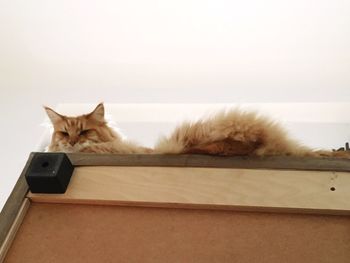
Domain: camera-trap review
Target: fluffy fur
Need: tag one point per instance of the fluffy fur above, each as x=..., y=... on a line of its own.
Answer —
x=227, y=133
x=236, y=132
x=87, y=133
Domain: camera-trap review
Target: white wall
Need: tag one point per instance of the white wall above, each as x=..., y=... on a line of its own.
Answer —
x=184, y=51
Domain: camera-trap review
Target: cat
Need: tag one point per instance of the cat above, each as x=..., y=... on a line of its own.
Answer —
x=227, y=133
x=88, y=133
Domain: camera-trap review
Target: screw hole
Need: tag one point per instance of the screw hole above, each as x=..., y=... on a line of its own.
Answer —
x=332, y=188
x=45, y=164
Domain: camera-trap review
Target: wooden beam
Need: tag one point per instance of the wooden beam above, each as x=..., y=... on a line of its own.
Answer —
x=211, y=188
x=183, y=160
x=14, y=203
x=4, y=247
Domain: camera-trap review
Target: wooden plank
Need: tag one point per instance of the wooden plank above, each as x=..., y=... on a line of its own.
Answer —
x=211, y=188
x=194, y=160
x=13, y=203
x=14, y=228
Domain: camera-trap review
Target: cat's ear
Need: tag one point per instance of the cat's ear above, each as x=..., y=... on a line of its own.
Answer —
x=54, y=116
x=98, y=113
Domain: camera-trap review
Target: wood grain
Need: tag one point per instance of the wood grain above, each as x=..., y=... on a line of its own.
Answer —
x=13, y=203
x=237, y=189
x=14, y=228
x=196, y=160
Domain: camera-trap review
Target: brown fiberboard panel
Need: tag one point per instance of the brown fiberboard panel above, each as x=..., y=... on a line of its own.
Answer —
x=88, y=233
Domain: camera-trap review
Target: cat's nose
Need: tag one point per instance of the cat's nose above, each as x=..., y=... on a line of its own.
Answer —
x=73, y=142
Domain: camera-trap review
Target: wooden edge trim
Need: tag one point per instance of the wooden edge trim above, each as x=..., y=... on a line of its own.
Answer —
x=6, y=244
x=192, y=160
x=263, y=209
x=13, y=203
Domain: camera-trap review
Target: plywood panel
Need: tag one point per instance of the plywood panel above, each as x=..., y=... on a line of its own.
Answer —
x=86, y=233
x=268, y=190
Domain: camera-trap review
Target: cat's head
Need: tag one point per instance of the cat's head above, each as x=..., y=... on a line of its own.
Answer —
x=73, y=133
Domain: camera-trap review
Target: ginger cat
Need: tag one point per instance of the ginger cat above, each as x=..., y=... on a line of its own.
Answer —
x=227, y=133
x=87, y=133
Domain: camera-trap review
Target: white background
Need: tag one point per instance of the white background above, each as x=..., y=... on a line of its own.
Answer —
x=147, y=51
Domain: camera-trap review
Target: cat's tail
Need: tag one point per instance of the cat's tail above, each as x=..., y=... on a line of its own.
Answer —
x=331, y=154
x=234, y=133
x=295, y=149
x=228, y=133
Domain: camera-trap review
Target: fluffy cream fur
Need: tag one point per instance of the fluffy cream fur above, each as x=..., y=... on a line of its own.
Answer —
x=226, y=133
x=236, y=132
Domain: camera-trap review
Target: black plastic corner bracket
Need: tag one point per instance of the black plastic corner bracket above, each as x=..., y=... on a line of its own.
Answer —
x=49, y=173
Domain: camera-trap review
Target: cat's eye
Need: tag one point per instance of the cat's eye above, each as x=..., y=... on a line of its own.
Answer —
x=84, y=132
x=64, y=133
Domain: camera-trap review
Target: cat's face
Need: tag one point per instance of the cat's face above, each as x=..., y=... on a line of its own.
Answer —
x=73, y=133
